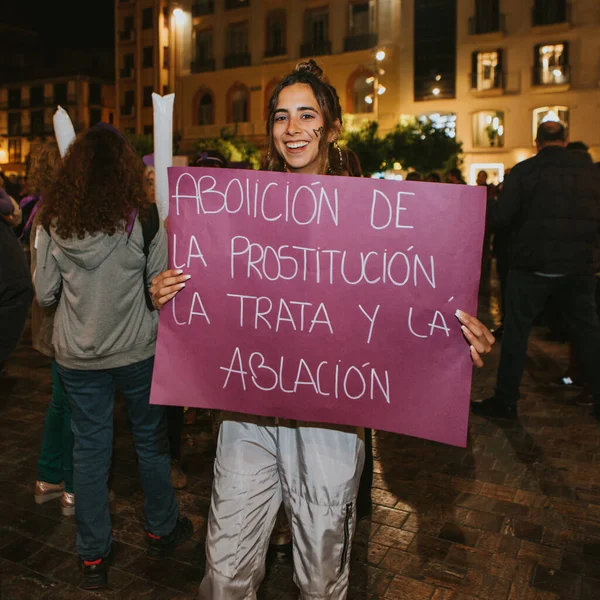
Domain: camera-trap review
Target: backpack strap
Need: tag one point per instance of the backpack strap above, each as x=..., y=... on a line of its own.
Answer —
x=150, y=227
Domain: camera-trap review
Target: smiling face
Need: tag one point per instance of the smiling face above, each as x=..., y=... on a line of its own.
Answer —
x=298, y=128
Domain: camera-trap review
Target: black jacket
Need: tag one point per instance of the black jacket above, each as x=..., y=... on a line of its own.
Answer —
x=16, y=290
x=550, y=210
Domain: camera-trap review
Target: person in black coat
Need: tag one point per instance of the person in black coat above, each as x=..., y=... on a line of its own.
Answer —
x=551, y=206
x=16, y=290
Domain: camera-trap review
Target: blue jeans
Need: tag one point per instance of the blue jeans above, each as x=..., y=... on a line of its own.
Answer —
x=56, y=456
x=92, y=396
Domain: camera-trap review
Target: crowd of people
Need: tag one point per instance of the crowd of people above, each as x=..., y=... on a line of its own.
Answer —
x=90, y=215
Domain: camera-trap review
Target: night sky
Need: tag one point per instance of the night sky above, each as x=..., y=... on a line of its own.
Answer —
x=65, y=24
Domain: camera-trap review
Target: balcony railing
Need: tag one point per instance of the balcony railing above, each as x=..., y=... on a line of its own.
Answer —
x=126, y=73
x=360, y=42
x=493, y=24
x=497, y=84
x=233, y=4
x=315, y=48
x=127, y=36
x=237, y=60
x=201, y=66
x=276, y=51
x=550, y=13
x=207, y=7
x=128, y=111
x=557, y=75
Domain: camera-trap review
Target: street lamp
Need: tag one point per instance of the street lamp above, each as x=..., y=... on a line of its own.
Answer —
x=378, y=90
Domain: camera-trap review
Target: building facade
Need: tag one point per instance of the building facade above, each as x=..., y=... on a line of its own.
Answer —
x=144, y=55
x=489, y=71
x=27, y=109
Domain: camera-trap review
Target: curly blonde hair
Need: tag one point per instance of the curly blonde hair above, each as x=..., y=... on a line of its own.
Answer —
x=44, y=162
x=96, y=188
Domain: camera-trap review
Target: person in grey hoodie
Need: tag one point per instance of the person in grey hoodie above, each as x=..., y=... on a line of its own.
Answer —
x=91, y=261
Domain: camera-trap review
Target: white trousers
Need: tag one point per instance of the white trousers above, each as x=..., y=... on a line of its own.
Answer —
x=315, y=471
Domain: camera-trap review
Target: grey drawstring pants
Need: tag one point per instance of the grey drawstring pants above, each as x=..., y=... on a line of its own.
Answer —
x=315, y=471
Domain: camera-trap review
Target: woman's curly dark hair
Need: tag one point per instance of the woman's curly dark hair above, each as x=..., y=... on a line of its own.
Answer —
x=99, y=184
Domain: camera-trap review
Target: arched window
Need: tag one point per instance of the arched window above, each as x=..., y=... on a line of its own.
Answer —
x=269, y=89
x=204, y=107
x=543, y=114
x=205, y=110
x=359, y=92
x=238, y=104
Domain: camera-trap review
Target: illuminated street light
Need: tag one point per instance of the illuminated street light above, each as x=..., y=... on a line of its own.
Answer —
x=435, y=91
x=380, y=55
x=438, y=77
x=179, y=16
x=557, y=72
x=381, y=90
x=369, y=99
x=369, y=80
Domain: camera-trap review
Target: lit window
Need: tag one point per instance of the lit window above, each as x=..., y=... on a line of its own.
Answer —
x=543, y=114
x=552, y=64
x=488, y=129
x=486, y=70
x=495, y=172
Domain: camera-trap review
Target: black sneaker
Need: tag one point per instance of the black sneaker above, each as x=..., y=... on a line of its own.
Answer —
x=566, y=382
x=161, y=547
x=95, y=572
x=495, y=408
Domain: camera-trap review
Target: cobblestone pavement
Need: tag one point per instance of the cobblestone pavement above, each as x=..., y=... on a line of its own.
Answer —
x=514, y=516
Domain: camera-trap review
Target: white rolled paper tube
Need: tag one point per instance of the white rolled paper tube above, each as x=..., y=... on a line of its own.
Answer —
x=163, y=149
x=63, y=130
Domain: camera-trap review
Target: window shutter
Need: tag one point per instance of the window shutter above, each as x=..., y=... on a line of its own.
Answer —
x=499, y=78
x=536, y=64
x=474, y=56
x=565, y=56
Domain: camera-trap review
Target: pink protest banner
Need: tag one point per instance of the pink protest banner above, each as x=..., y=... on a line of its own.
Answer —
x=323, y=299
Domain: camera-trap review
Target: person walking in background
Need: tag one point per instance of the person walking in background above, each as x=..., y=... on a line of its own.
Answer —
x=91, y=260
x=313, y=468
x=55, y=464
x=551, y=204
x=16, y=291
x=433, y=177
x=500, y=239
x=486, y=255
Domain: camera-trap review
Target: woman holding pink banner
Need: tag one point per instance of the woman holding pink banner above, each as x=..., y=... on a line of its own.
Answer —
x=261, y=462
